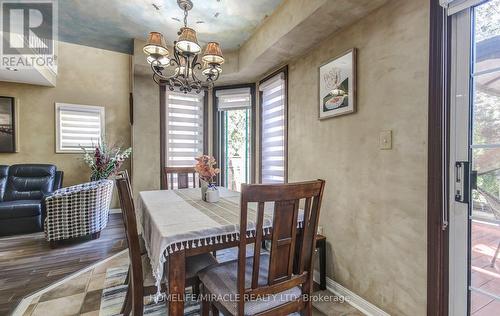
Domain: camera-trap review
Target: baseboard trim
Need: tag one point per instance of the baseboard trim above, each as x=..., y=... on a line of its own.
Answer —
x=352, y=298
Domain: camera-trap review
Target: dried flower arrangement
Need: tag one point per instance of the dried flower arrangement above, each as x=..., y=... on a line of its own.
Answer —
x=105, y=160
x=205, y=168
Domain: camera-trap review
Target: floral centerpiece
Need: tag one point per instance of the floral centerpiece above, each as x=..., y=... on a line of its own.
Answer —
x=205, y=166
x=105, y=160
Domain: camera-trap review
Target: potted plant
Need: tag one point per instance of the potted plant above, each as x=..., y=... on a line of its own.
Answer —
x=105, y=160
x=205, y=166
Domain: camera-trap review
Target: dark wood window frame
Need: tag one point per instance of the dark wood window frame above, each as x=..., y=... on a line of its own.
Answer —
x=217, y=128
x=438, y=161
x=163, y=95
x=283, y=70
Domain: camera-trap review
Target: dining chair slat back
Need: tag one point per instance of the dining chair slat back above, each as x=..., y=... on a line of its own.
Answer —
x=180, y=176
x=130, y=222
x=292, y=248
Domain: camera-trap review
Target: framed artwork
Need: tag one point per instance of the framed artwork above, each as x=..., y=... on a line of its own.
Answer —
x=337, y=86
x=7, y=125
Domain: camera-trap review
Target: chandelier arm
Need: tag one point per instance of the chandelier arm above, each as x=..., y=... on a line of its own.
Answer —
x=195, y=78
x=174, y=62
x=196, y=65
x=196, y=86
x=171, y=84
x=155, y=79
x=194, y=61
x=176, y=56
x=173, y=81
x=158, y=73
x=216, y=77
x=211, y=77
x=176, y=82
x=199, y=88
x=179, y=82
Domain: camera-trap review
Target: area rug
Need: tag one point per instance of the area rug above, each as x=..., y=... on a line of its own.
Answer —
x=115, y=290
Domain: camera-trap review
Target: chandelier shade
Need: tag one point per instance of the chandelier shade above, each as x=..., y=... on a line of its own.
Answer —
x=162, y=61
x=213, y=54
x=156, y=45
x=187, y=41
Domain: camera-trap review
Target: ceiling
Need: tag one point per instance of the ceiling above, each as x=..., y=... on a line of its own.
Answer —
x=113, y=24
x=252, y=43
x=292, y=29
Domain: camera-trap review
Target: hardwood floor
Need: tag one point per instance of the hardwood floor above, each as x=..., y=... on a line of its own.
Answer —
x=27, y=264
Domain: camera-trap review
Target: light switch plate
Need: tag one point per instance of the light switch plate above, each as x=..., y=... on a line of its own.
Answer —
x=385, y=140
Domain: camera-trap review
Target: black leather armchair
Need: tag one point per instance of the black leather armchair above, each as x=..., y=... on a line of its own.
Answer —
x=22, y=191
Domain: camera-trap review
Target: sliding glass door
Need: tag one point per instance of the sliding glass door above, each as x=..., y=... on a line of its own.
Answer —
x=234, y=135
x=475, y=160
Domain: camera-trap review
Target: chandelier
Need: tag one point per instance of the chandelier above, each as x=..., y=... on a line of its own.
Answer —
x=184, y=62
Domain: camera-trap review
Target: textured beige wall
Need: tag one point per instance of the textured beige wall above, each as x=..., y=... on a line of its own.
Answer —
x=146, y=135
x=85, y=76
x=374, y=211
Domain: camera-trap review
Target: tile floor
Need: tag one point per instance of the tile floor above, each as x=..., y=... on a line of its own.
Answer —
x=484, y=277
x=77, y=296
x=82, y=295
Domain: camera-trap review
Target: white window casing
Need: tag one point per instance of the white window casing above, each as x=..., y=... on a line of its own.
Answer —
x=78, y=126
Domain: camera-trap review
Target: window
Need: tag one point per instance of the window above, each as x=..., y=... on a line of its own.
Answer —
x=273, y=125
x=78, y=126
x=184, y=128
x=234, y=145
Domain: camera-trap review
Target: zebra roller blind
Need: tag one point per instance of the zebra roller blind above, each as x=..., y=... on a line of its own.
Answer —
x=273, y=126
x=78, y=126
x=184, y=128
x=233, y=99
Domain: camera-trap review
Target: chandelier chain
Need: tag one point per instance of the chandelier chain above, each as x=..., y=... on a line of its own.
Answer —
x=185, y=17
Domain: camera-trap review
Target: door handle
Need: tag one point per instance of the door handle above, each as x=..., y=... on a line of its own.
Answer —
x=462, y=182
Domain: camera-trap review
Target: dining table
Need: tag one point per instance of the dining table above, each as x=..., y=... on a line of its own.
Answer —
x=177, y=224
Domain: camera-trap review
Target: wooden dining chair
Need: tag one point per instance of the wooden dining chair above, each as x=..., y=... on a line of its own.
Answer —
x=271, y=283
x=182, y=177
x=141, y=280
